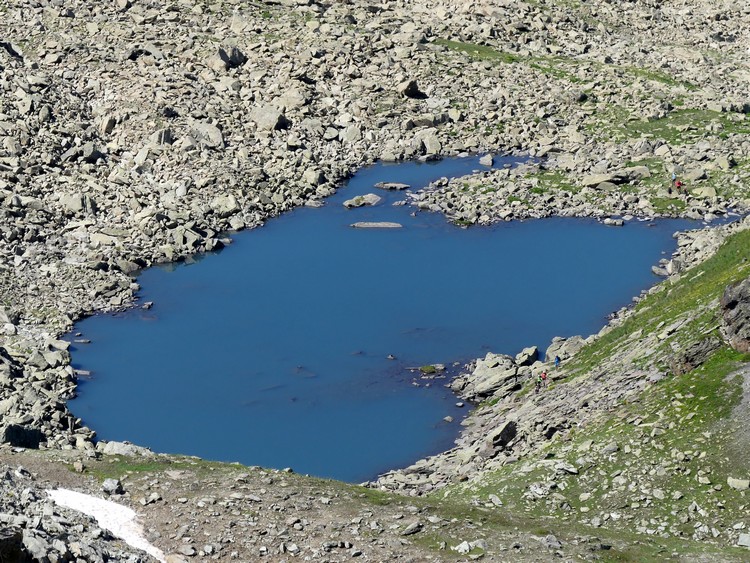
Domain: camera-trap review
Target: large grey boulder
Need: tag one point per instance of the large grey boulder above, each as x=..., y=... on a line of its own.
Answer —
x=145, y=49
x=225, y=205
x=694, y=355
x=392, y=186
x=527, y=356
x=376, y=225
x=563, y=347
x=595, y=179
x=428, y=142
x=634, y=173
x=503, y=434
x=350, y=134
x=735, y=315
x=313, y=176
x=268, y=118
x=77, y=203
x=7, y=316
x=620, y=176
x=90, y=153
x=12, y=49
x=112, y=486
x=162, y=136
x=739, y=484
x=493, y=372
x=293, y=98
x=208, y=134
x=704, y=191
x=695, y=174
x=35, y=546
x=231, y=56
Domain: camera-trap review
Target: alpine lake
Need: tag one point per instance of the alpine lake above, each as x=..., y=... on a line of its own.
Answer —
x=296, y=346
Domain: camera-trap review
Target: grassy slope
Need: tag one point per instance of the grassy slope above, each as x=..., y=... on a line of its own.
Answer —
x=665, y=490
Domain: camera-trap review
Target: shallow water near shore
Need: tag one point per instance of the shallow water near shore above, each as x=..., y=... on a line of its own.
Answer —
x=274, y=352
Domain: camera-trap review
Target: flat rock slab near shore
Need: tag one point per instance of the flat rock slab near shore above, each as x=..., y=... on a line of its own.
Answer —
x=376, y=225
x=392, y=186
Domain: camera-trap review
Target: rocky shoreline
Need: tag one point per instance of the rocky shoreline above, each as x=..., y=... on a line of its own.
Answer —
x=518, y=428
x=514, y=426
x=513, y=194
x=135, y=133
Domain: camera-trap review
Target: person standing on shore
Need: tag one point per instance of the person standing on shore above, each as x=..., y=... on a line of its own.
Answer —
x=679, y=186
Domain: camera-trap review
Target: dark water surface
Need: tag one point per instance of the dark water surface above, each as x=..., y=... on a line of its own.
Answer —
x=274, y=351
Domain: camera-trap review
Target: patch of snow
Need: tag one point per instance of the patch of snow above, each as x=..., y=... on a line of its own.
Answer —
x=118, y=519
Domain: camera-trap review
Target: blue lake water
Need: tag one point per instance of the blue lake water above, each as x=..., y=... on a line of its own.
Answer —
x=274, y=351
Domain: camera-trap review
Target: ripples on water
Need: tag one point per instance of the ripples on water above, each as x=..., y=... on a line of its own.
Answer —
x=274, y=351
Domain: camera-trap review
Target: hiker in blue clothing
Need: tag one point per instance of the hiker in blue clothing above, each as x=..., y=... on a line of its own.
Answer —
x=557, y=362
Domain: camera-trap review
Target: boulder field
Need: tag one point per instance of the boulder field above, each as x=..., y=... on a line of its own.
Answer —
x=139, y=132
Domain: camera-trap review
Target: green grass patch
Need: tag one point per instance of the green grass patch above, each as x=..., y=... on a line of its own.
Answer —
x=561, y=67
x=551, y=66
x=695, y=289
x=513, y=199
x=706, y=390
x=668, y=205
x=115, y=467
x=478, y=52
x=656, y=76
x=551, y=180
x=374, y=496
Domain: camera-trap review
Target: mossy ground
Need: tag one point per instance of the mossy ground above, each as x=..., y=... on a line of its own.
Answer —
x=564, y=68
x=679, y=126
